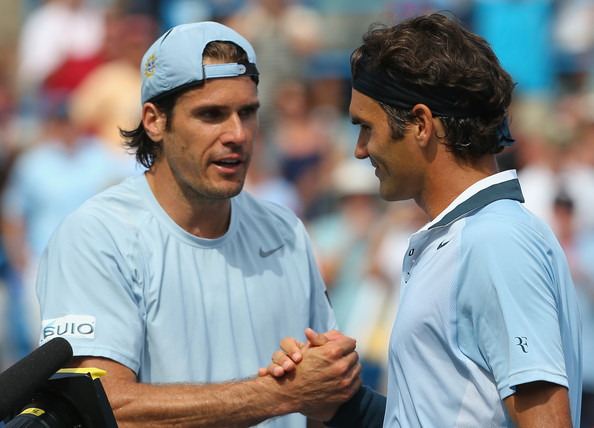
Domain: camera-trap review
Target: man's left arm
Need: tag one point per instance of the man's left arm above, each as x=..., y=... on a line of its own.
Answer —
x=539, y=405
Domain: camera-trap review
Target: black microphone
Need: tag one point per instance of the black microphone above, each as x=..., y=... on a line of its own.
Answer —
x=20, y=381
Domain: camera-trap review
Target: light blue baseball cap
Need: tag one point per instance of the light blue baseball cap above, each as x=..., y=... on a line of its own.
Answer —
x=175, y=59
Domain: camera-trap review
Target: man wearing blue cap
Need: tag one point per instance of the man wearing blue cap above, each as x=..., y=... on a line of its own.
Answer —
x=177, y=277
x=488, y=332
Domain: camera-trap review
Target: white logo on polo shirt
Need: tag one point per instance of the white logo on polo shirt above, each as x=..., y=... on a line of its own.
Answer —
x=69, y=326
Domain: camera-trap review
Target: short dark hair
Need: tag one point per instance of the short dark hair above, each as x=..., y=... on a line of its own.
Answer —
x=138, y=141
x=434, y=51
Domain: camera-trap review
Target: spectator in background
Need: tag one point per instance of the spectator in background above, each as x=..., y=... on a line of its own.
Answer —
x=60, y=164
x=577, y=174
x=536, y=157
x=341, y=244
x=12, y=328
x=60, y=42
x=265, y=180
x=285, y=33
x=107, y=99
x=48, y=180
x=340, y=238
x=15, y=335
x=579, y=250
x=387, y=243
x=573, y=44
x=302, y=145
x=175, y=12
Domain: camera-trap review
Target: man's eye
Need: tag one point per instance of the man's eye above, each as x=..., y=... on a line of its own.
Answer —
x=210, y=114
x=248, y=112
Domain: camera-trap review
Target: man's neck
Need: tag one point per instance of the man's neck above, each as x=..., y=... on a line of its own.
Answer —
x=447, y=181
x=204, y=218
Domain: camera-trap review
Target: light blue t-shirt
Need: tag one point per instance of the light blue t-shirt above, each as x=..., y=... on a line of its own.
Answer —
x=487, y=303
x=120, y=279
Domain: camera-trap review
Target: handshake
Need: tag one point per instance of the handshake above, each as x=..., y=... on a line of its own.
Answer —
x=320, y=374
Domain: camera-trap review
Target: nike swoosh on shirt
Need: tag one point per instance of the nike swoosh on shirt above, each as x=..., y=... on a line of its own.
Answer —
x=442, y=244
x=269, y=252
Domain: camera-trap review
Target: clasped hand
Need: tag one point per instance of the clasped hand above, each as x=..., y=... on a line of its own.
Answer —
x=322, y=373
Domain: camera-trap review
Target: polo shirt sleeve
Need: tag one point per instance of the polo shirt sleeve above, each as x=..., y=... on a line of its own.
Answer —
x=507, y=306
x=88, y=294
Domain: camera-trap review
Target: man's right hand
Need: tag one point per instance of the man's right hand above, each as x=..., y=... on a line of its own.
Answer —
x=327, y=362
x=291, y=353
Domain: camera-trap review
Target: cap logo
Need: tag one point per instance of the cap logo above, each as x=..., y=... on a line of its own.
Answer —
x=149, y=67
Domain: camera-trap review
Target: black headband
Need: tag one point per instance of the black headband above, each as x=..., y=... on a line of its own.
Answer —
x=441, y=100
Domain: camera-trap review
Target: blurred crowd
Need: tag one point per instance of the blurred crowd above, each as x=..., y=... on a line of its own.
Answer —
x=69, y=79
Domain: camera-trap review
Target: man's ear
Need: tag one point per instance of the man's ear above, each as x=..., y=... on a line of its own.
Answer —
x=424, y=121
x=154, y=121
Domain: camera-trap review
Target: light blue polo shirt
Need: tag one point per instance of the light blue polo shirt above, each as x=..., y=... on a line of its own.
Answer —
x=487, y=303
x=119, y=279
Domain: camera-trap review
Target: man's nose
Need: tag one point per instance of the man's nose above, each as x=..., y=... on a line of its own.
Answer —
x=234, y=130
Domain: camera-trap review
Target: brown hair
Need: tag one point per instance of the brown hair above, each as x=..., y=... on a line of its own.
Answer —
x=434, y=51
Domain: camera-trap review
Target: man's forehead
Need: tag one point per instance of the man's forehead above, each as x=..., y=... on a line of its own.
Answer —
x=223, y=90
x=361, y=106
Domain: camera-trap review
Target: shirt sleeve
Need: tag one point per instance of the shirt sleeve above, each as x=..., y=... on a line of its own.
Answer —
x=507, y=311
x=366, y=409
x=88, y=294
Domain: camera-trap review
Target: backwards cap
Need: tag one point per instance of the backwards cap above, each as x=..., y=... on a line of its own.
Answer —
x=175, y=59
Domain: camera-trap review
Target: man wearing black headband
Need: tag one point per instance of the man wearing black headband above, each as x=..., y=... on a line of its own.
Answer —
x=488, y=330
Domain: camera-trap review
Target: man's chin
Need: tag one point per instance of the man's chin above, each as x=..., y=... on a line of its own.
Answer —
x=390, y=196
x=227, y=191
